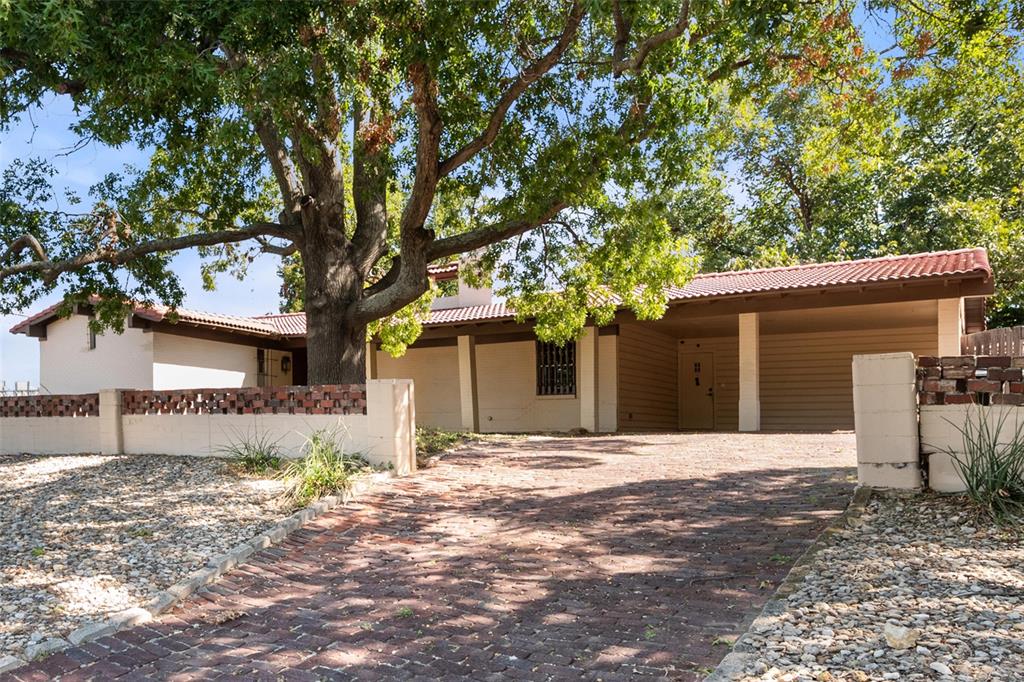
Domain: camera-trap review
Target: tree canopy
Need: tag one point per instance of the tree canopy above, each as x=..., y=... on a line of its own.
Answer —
x=573, y=147
x=921, y=151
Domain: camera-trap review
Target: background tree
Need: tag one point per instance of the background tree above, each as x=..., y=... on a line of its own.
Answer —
x=542, y=128
x=920, y=150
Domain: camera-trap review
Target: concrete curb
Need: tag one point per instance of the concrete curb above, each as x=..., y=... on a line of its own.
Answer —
x=181, y=590
x=736, y=661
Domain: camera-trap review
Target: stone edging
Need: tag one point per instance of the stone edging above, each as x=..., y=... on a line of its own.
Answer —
x=181, y=590
x=736, y=661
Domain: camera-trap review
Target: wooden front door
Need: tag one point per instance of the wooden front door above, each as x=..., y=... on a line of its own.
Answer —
x=696, y=390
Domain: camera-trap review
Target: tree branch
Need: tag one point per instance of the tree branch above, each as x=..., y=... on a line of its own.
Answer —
x=389, y=278
x=276, y=249
x=521, y=83
x=280, y=163
x=30, y=62
x=490, y=234
x=49, y=270
x=635, y=62
x=25, y=241
x=370, y=135
x=427, y=145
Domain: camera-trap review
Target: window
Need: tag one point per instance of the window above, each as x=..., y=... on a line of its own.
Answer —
x=556, y=369
x=92, y=333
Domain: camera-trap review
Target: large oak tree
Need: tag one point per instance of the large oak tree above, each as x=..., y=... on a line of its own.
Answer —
x=536, y=134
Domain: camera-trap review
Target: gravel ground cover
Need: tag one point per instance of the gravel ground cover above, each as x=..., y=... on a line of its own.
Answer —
x=919, y=589
x=85, y=536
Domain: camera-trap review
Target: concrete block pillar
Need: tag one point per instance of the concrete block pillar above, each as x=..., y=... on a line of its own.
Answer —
x=750, y=372
x=111, y=432
x=885, y=417
x=950, y=325
x=587, y=388
x=391, y=410
x=371, y=361
x=468, y=396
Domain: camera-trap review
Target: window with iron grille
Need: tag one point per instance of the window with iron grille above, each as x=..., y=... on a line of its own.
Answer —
x=556, y=369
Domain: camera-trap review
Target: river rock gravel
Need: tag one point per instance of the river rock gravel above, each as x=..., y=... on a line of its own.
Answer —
x=85, y=536
x=918, y=589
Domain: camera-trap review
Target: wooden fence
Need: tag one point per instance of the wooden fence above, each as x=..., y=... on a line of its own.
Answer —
x=1002, y=341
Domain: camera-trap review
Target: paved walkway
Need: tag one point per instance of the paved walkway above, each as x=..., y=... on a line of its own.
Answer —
x=604, y=558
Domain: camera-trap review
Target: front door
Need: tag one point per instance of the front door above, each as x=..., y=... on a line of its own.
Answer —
x=696, y=390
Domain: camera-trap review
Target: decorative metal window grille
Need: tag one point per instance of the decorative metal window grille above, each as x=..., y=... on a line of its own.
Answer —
x=556, y=369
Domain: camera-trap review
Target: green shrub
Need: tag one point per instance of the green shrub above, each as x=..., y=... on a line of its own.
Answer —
x=991, y=467
x=323, y=469
x=254, y=454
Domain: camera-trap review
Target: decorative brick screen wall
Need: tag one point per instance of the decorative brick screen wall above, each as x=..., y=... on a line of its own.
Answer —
x=964, y=379
x=84, y=405
x=326, y=399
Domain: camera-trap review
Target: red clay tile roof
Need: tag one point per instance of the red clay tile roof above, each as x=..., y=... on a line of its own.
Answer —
x=935, y=265
x=157, y=313
x=846, y=273
x=286, y=324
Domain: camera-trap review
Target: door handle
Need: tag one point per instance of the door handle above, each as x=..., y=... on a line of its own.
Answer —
x=711, y=392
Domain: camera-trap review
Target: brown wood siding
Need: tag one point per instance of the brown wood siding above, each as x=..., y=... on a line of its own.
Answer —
x=647, y=380
x=806, y=378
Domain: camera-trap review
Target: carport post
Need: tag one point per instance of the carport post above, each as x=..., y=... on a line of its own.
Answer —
x=371, y=361
x=950, y=321
x=750, y=372
x=469, y=402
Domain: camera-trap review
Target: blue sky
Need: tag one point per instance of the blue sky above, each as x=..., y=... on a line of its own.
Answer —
x=45, y=134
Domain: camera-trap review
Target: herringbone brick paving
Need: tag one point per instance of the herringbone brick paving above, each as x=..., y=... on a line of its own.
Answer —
x=606, y=558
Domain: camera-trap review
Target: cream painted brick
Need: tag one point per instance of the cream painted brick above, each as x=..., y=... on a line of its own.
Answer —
x=889, y=476
x=878, y=449
x=892, y=398
x=883, y=369
x=68, y=365
x=49, y=435
x=898, y=423
x=435, y=372
x=943, y=476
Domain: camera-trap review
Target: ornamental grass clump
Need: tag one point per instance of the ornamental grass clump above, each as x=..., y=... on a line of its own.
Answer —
x=992, y=466
x=324, y=468
x=254, y=454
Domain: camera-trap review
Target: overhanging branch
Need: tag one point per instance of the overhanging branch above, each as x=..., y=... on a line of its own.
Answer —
x=521, y=83
x=49, y=269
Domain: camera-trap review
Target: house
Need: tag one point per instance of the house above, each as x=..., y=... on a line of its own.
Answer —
x=758, y=349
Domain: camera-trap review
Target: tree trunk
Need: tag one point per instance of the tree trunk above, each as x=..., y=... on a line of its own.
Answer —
x=335, y=344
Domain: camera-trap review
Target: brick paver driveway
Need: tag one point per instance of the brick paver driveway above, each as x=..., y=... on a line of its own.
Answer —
x=607, y=557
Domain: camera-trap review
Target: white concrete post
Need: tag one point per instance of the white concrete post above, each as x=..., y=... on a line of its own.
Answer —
x=885, y=417
x=468, y=396
x=391, y=410
x=588, y=388
x=111, y=431
x=750, y=372
x=371, y=361
x=950, y=325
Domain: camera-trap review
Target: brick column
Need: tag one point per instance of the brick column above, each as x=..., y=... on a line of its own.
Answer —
x=885, y=417
x=750, y=372
x=111, y=433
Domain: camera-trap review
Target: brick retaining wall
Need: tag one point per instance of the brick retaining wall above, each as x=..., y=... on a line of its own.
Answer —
x=84, y=405
x=325, y=399
x=966, y=379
